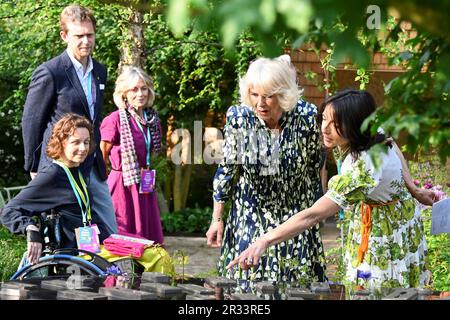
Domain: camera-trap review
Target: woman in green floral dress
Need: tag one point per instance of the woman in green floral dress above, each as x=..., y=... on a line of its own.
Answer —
x=385, y=236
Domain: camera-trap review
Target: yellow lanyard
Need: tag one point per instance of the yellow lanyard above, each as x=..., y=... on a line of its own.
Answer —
x=81, y=195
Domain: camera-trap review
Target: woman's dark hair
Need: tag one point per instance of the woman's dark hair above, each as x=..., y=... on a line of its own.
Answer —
x=63, y=129
x=350, y=109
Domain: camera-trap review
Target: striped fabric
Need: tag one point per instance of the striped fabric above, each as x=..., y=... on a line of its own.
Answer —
x=130, y=165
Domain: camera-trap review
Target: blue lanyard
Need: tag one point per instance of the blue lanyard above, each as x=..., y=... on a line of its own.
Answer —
x=89, y=89
x=147, y=139
x=89, y=95
x=81, y=195
x=339, y=165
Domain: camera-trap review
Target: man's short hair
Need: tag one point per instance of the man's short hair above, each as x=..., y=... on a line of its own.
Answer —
x=75, y=13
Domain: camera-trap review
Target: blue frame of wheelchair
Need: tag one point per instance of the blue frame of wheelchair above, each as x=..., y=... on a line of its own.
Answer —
x=59, y=256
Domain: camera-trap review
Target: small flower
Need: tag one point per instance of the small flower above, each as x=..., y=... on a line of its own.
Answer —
x=416, y=182
x=439, y=195
x=114, y=270
x=109, y=282
x=427, y=185
x=365, y=275
x=448, y=184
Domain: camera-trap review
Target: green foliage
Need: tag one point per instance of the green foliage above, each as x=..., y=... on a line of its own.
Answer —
x=22, y=25
x=29, y=34
x=192, y=73
x=160, y=164
x=179, y=258
x=329, y=83
x=418, y=100
x=438, y=255
x=334, y=256
x=362, y=77
x=11, y=250
x=427, y=169
x=190, y=220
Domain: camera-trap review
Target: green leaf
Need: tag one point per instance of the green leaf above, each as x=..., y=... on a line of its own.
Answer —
x=178, y=16
x=297, y=14
x=299, y=41
x=348, y=47
x=230, y=32
x=375, y=154
x=367, y=121
x=268, y=12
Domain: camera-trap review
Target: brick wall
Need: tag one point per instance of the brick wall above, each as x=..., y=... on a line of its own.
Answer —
x=306, y=60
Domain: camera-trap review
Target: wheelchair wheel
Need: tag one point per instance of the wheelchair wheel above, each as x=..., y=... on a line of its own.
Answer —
x=97, y=260
x=58, y=265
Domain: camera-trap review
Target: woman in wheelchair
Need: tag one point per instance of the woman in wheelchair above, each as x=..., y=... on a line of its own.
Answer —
x=60, y=188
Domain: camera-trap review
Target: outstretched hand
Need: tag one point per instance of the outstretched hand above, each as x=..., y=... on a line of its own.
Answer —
x=250, y=257
x=425, y=196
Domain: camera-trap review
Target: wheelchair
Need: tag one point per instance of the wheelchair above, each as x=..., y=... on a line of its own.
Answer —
x=57, y=262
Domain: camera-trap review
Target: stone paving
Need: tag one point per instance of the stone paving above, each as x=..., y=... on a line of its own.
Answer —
x=202, y=259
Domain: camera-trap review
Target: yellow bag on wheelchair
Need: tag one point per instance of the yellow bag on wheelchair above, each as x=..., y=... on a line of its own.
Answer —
x=154, y=259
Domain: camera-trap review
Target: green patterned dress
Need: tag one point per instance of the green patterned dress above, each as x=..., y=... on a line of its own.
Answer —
x=397, y=245
x=269, y=178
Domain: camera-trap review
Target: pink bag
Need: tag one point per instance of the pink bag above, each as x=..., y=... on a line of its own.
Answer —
x=126, y=246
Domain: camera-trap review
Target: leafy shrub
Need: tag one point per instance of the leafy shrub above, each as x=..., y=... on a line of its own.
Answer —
x=190, y=220
x=438, y=258
x=429, y=173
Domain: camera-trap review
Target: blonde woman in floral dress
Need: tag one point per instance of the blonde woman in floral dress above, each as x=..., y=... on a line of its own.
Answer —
x=270, y=171
x=385, y=233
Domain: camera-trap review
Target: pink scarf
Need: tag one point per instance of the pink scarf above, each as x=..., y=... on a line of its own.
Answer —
x=130, y=164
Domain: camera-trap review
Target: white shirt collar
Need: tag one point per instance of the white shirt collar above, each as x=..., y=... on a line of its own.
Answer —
x=78, y=66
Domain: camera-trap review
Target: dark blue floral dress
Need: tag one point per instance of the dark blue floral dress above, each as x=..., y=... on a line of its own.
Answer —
x=269, y=177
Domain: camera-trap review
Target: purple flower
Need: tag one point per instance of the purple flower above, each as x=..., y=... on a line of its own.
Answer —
x=363, y=274
x=427, y=185
x=114, y=270
x=448, y=184
x=416, y=182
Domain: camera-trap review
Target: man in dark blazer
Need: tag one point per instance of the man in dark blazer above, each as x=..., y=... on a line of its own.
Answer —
x=71, y=82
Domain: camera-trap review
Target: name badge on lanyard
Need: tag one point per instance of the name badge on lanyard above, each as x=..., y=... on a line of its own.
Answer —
x=147, y=181
x=87, y=236
x=148, y=175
